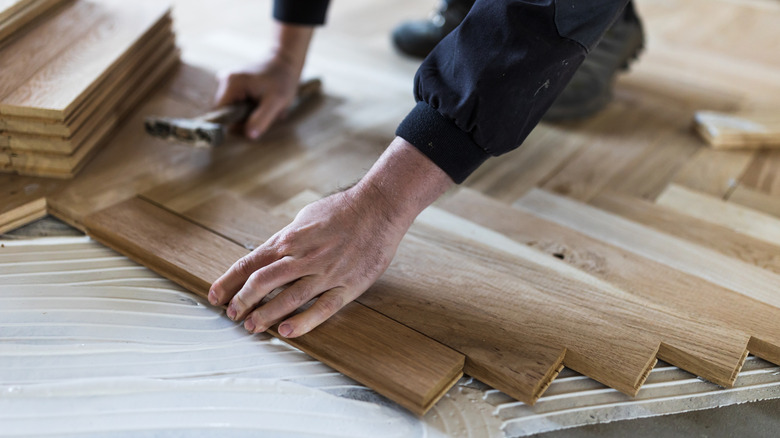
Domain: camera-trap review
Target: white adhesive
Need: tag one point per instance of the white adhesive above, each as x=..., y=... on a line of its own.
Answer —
x=94, y=345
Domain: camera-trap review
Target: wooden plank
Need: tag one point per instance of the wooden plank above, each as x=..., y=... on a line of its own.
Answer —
x=58, y=136
x=23, y=214
x=62, y=84
x=541, y=155
x=11, y=7
x=747, y=279
x=20, y=14
x=637, y=275
x=714, y=172
x=763, y=174
x=696, y=230
x=756, y=200
x=45, y=40
x=743, y=220
x=625, y=134
x=396, y=361
x=741, y=130
x=67, y=166
x=522, y=292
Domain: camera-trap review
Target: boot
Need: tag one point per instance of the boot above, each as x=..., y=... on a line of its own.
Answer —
x=590, y=89
x=418, y=37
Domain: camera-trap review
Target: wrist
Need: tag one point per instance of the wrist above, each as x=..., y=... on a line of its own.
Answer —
x=401, y=184
x=291, y=46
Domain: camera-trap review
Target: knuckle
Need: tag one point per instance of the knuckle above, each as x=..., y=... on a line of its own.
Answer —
x=329, y=304
x=244, y=266
x=296, y=296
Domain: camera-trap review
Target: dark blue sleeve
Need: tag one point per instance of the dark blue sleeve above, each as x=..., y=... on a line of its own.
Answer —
x=487, y=84
x=305, y=12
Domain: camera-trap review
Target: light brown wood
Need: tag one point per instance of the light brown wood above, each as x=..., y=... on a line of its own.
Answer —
x=439, y=242
x=763, y=174
x=59, y=165
x=714, y=172
x=15, y=15
x=756, y=200
x=702, y=232
x=755, y=224
x=56, y=89
x=639, y=276
x=743, y=130
x=399, y=363
x=41, y=135
x=747, y=279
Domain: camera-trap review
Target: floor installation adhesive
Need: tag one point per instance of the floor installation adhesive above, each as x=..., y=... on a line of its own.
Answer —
x=92, y=344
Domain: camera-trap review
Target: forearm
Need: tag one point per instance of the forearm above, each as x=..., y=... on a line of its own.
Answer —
x=401, y=184
x=291, y=43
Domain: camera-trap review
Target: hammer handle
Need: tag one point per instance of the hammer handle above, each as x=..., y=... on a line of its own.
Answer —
x=238, y=112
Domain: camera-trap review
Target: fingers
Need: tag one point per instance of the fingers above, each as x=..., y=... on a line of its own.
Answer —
x=262, y=118
x=323, y=308
x=292, y=298
x=231, y=281
x=262, y=282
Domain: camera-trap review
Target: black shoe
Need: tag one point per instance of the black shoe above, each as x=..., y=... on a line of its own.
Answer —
x=590, y=89
x=417, y=38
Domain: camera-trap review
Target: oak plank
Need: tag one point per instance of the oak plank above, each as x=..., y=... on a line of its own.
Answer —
x=740, y=130
x=18, y=14
x=714, y=172
x=756, y=200
x=399, y=363
x=743, y=220
x=744, y=278
x=520, y=292
x=56, y=89
x=645, y=278
x=697, y=230
x=763, y=174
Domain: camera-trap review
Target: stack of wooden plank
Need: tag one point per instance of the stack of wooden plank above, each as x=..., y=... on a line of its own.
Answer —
x=70, y=78
x=15, y=14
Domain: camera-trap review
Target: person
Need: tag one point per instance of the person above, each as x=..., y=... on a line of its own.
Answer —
x=479, y=93
x=588, y=92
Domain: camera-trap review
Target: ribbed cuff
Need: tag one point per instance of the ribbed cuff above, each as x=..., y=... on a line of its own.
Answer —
x=305, y=12
x=442, y=141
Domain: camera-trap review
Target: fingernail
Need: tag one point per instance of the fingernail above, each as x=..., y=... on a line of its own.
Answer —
x=285, y=330
x=249, y=326
x=255, y=134
x=231, y=312
x=213, y=297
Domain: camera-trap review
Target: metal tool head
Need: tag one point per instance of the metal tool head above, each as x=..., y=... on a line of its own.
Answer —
x=198, y=133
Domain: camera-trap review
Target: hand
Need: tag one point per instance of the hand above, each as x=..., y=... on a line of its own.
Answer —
x=334, y=250
x=272, y=84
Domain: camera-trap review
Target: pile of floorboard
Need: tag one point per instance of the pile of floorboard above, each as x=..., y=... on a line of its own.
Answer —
x=15, y=14
x=71, y=77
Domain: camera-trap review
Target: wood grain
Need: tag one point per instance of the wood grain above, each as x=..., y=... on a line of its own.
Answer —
x=714, y=172
x=763, y=174
x=15, y=15
x=511, y=300
x=747, y=279
x=756, y=200
x=398, y=362
x=63, y=83
x=755, y=224
x=637, y=275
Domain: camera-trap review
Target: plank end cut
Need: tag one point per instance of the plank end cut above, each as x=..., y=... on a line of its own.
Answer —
x=738, y=130
x=396, y=361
